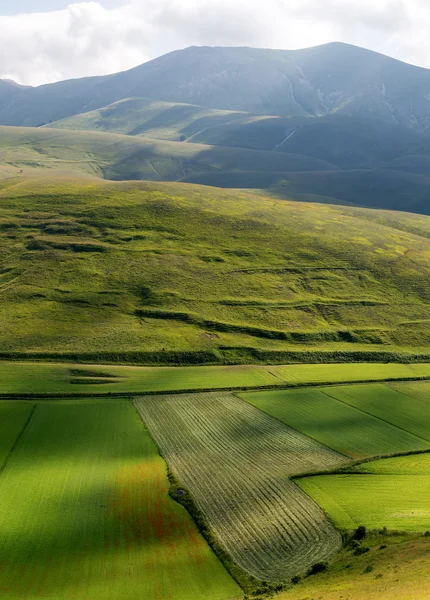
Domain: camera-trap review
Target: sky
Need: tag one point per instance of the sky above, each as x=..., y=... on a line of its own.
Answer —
x=42, y=41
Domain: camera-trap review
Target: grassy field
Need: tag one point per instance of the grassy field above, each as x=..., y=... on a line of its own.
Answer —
x=397, y=572
x=21, y=378
x=13, y=418
x=392, y=493
x=84, y=513
x=415, y=389
x=403, y=411
x=339, y=426
x=172, y=273
x=235, y=461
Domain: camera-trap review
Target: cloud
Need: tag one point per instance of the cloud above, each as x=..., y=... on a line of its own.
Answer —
x=87, y=38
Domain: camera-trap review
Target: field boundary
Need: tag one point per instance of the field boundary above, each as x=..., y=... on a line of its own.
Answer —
x=238, y=389
x=182, y=496
x=348, y=469
x=221, y=356
x=376, y=417
x=18, y=438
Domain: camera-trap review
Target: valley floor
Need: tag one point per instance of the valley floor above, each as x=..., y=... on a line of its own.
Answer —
x=92, y=513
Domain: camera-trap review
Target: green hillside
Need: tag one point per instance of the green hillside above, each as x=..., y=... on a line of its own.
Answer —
x=151, y=118
x=186, y=273
x=121, y=157
x=378, y=188
x=346, y=141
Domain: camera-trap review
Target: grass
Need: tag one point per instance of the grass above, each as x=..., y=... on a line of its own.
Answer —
x=122, y=157
x=179, y=274
x=22, y=378
x=151, y=118
x=13, y=418
x=339, y=426
x=84, y=513
x=392, y=493
x=235, y=461
x=403, y=411
x=397, y=572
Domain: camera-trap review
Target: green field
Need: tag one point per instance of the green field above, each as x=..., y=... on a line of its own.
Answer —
x=84, y=513
x=179, y=274
x=13, y=418
x=21, y=378
x=339, y=426
x=235, y=460
x=392, y=493
x=403, y=411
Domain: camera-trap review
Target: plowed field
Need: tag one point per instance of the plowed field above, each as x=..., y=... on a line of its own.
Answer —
x=235, y=460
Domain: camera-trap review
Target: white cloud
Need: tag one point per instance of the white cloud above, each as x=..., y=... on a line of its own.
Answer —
x=88, y=39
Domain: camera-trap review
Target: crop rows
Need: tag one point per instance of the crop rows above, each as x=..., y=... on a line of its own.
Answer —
x=235, y=460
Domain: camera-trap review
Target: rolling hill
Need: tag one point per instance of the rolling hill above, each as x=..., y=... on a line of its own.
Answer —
x=121, y=157
x=179, y=273
x=44, y=151
x=349, y=142
x=151, y=118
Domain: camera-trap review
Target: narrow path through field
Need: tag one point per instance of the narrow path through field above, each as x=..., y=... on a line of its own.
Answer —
x=236, y=460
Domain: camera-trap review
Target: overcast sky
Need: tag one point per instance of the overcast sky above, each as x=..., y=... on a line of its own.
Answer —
x=48, y=40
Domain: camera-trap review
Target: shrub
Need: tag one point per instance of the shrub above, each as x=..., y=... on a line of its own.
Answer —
x=368, y=569
x=361, y=550
x=318, y=567
x=296, y=579
x=360, y=533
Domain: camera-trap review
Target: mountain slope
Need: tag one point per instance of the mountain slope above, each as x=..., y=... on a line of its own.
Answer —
x=151, y=118
x=315, y=81
x=349, y=142
x=187, y=273
x=120, y=157
x=373, y=188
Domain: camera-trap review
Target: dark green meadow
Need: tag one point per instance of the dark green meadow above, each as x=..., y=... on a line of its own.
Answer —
x=180, y=274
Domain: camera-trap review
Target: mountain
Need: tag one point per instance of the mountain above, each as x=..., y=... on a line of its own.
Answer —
x=334, y=78
x=333, y=124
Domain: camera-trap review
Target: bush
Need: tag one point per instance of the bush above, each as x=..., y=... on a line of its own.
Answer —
x=360, y=533
x=318, y=567
x=296, y=579
x=361, y=550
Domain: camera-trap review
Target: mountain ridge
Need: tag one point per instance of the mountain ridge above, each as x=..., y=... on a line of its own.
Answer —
x=314, y=81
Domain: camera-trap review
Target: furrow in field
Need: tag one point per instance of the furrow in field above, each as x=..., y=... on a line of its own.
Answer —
x=236, y=460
